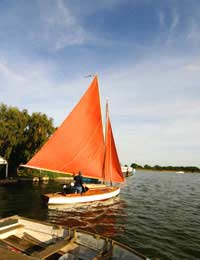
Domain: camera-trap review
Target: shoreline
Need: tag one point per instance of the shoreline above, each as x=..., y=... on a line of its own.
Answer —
x=167, y=171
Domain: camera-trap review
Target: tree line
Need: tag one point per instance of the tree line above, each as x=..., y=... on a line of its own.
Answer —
x=22, y=134
x=166, y=168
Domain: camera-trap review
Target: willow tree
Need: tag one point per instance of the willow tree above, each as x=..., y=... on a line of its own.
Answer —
x=21, y=134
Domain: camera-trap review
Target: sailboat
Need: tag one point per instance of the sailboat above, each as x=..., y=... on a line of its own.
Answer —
x=79, y=145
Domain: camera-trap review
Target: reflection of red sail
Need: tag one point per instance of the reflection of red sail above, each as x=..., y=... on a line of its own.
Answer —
x=101, y=218
x=78, y=143
x=112, y=168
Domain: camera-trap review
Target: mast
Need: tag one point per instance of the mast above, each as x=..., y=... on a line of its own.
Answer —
x=105, y=137
x=109, y=140
x=107, y=152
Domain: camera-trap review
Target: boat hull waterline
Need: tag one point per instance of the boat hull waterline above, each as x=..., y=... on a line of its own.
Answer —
x=92, y=195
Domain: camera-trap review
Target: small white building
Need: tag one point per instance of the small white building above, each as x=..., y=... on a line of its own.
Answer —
x=4, y=162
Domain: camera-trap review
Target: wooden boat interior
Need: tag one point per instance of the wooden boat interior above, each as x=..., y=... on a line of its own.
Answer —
x=26, y=239
x=91, y=191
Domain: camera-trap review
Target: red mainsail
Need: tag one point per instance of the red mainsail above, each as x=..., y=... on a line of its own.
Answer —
x=78, y=144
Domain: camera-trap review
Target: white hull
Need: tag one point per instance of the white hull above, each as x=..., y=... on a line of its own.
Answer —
x=128, y=169
x=96, y=194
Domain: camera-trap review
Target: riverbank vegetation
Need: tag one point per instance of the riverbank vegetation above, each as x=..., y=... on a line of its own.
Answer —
x=166, y=168
x=21, y=135
x=28, y=173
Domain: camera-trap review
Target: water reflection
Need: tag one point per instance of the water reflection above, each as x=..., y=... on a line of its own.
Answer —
x=98, y=217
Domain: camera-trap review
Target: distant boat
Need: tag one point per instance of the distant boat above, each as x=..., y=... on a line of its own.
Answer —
x=128, y=170
x=78, y=145
x=180, y=172
x=28, y=239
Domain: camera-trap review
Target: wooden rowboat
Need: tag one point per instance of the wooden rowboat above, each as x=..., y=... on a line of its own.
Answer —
x=28, y=239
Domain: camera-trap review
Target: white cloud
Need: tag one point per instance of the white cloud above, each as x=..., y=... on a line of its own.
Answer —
x=161, y=17
x=172, y=27
x=155, y=110
x=7, y=72
x=60, y=27
x=193, y=32
x=34, y=88
x=175, y=21
x=193, y=67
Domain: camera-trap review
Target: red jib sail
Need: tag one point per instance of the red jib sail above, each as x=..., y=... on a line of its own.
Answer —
x=112, y=168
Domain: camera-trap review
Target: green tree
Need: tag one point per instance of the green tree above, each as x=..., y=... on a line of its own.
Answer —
x=148, y=167
x=38, y=130
x=158, y=168
x=136, y=166
x=21, y=134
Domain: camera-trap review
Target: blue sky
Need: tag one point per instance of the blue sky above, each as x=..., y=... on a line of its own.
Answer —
x=146, y=54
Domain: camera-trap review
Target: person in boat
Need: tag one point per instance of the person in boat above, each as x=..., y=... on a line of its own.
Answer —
x=78, y=183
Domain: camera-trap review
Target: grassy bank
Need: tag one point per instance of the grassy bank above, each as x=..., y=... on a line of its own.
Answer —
x=30, y=173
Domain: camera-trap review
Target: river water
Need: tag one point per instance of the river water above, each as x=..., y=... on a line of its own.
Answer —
x=157, y=213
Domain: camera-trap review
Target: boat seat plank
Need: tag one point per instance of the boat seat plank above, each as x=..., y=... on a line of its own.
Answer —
x=94, y=186
x=34, y=240
x=6, y=254
x=8, y=229
x=50, y=250
x=21, y=244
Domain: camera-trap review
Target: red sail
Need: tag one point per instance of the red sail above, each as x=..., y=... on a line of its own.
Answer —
x=112, y=168
x=78, y=144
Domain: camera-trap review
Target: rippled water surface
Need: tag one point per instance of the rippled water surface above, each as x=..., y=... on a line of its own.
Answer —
x=158, y=214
